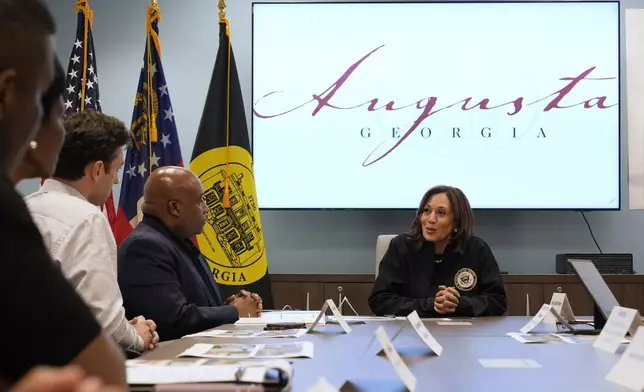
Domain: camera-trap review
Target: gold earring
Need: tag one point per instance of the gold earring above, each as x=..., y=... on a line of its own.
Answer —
x=33, y=144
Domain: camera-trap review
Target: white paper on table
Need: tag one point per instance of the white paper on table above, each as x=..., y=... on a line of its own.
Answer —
x=582, y=339
x=165, y=362
x=537, y=338
x=285, y=316
x=254, y=372
x=180, y=374
x=509, y=363
x=245, y=351
x=248, y=334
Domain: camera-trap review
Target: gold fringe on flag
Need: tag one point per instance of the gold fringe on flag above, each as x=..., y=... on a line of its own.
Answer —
x=82, y=6
x=154, y=15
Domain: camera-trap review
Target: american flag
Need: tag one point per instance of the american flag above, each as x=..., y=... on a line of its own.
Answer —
x=154, y=131
x=82, y=79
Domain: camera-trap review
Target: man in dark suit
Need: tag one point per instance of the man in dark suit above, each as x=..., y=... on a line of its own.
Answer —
x=162, y=274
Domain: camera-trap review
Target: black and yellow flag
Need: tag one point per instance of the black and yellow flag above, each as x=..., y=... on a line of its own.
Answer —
x=233, y=240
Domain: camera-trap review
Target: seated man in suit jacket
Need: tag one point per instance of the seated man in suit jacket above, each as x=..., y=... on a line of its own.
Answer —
x=162, y=274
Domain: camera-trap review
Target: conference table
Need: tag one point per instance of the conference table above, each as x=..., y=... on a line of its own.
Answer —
x=356, y=358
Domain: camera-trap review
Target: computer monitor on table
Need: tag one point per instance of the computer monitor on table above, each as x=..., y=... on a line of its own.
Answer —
x=603, y=299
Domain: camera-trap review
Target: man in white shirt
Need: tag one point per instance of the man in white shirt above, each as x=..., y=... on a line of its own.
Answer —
x=77, y=233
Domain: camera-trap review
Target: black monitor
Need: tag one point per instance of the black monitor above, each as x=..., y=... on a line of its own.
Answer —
x=603, y=299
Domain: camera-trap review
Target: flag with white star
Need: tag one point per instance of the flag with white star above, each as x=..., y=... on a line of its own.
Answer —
x=81, y=91
x=82, y=75
x=153, y=129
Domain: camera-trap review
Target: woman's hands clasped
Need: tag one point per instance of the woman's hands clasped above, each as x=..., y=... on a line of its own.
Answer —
x=446, y=300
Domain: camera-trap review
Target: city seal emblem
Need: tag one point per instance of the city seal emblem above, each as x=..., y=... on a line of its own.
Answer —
x=465, y=279
x=232, y=240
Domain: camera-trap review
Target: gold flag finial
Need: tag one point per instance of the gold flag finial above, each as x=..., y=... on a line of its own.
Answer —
x=154, y=2
x=222, y=9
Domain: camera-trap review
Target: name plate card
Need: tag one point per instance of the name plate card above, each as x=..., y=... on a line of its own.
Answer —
x=396, y=361
x=627, y=372
x=621, y=321
x=424, y=333
x=561, y=305
x=545, y=310
x=329, y=304
x=338, y=316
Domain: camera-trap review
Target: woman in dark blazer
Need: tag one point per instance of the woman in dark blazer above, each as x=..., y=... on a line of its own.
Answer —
x=439, y=268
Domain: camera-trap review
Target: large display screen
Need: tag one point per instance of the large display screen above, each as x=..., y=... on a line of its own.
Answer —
x=368, y=105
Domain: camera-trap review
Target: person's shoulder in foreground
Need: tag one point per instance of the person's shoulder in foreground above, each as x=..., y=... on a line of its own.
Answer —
x=64, y=379
x=46, y=322
x=32, y=289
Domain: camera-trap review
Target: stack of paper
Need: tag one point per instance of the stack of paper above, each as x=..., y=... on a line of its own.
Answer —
x=285, y=316
x=248, y=334
x=245, y=351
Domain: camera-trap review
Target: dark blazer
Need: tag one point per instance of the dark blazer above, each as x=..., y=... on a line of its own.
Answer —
x=167, y=279
x=408, y=279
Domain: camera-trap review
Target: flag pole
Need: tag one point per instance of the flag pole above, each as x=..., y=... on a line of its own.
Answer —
x=222, y=19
